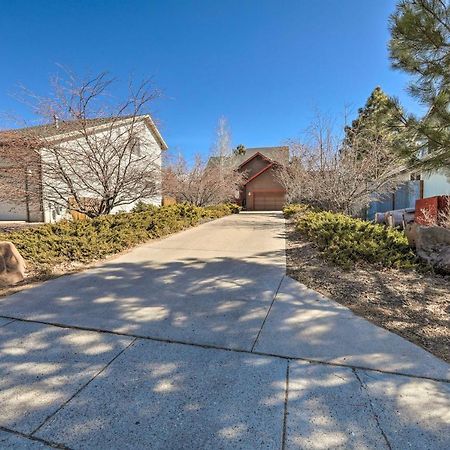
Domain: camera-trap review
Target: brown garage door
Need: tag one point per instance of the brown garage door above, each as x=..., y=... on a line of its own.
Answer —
x=268, y=201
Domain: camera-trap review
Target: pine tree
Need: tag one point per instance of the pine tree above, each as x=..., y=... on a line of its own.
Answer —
x=379, y=119
x=239, y=150
x=374, y=135
x=420, y=46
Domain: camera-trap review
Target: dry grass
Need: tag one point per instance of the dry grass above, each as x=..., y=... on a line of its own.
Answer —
x=415, y=306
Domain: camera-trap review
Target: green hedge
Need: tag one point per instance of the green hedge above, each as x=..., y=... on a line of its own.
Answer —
x=345, y=240
x=86, y=240
x=295, y=209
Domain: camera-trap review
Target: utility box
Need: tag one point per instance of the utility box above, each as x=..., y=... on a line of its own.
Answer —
x=429, y=210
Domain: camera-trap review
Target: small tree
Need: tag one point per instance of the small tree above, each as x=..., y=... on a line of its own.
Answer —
x=202, y=183
x=92, y=172
x=420, y=46
x=331, y=174
x=205, y=182
x=222, y=143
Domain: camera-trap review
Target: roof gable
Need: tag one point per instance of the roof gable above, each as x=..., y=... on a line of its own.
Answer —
x=278, y=154
x=251, y=158
x=265, y=169
x=66, y=131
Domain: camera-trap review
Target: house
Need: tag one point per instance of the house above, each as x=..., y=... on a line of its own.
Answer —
x=414, y=186
x=261, y=191
x=39, y=195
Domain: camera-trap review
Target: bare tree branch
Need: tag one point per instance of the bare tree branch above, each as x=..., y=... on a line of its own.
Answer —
x=93, y=154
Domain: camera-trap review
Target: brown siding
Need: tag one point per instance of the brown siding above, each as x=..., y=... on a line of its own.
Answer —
x=254, y=166
x=21, y=179
x=265, y=184
x=266, y=180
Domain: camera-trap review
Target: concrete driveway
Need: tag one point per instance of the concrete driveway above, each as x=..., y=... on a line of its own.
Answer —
x=200, y=340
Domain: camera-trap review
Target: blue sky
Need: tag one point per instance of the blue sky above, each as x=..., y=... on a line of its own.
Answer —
x=266, y=65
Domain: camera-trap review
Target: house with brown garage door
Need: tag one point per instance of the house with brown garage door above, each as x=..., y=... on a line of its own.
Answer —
x=262, y=191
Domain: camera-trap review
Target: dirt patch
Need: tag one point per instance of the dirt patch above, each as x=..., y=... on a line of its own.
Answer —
x=415, y=306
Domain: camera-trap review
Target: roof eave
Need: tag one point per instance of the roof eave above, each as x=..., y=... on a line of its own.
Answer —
x=253, y=157
x=104, y=126
x=269, y=166
x=154, y=129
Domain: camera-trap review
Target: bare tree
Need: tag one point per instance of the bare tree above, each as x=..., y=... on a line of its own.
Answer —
x=91, y=155
x=221, y=153
x=222, y=143
x=202, y=183
x=329, y=173
x=206, y=182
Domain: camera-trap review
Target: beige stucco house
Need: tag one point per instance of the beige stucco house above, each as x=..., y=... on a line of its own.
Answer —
x=43, y=207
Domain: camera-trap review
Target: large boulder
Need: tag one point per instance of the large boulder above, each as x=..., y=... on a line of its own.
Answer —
x=12, y=265
x=433, y=245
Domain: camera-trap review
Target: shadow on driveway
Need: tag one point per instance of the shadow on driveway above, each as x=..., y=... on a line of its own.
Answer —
x=216, y=300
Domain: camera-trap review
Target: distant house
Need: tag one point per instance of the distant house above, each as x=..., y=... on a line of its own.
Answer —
x=415, y=185
x=261, y=191
x=41, y=208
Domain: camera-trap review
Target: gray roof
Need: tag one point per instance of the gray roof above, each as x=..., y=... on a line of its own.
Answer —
x=68, y=126
x=277, y=154
x=53, y=129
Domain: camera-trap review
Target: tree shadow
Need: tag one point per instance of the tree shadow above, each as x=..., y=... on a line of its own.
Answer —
x=412, y=305
x=332, y=407
x=42, y=366
x=216, y=300
x=304, y=324
x=159, y=395
x=166, y=395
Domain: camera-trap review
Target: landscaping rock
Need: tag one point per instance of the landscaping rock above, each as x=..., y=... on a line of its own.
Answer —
x=12, y=265
x=411, y=233
x=433, y=245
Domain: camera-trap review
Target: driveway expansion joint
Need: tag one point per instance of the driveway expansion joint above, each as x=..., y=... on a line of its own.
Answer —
x=285, y=413
x=35, y=439
x=268, y=312
x=82, y=387
x=228, y=349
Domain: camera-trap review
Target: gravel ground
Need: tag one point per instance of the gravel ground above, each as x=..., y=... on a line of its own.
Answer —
x=415, y=306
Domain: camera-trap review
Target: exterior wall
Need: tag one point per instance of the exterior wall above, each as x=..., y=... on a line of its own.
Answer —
x=149, y=146
x=264, y=182
x=16, y=205
x=404, y=197
x=254, y=166
x=436, y=183
x=431, y=184
x=53, y=211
